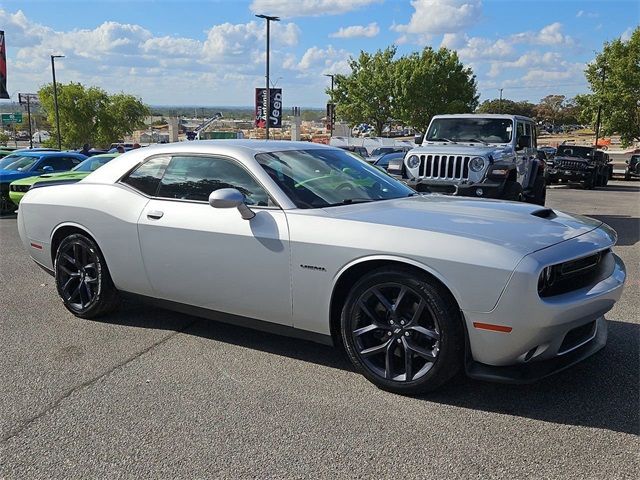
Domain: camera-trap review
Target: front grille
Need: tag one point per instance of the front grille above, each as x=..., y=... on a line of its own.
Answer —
x=571, y=165
x=444, y=167
x=575, y=274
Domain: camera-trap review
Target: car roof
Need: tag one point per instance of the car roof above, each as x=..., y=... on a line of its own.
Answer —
x=243, y=145
x=484, y=115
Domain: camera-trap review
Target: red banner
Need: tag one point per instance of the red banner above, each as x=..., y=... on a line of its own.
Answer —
x=3, y=68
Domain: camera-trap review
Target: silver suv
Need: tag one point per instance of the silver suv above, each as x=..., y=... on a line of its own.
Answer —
x=488, y=155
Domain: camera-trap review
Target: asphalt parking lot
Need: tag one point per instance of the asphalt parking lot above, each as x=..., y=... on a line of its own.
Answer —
x=151, y=393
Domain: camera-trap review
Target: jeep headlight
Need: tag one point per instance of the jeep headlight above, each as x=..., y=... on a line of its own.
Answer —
x=413, y=161
x=476, y=164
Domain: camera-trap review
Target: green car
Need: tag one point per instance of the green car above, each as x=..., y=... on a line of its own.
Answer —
x=18, y=188
x=4, y=153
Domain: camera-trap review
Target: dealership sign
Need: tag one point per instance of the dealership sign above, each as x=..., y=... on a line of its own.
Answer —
x=271, y=112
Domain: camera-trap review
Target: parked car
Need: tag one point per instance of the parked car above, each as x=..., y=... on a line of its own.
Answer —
x=23, y=164
x=488, y=156
x=383, y=161
x=632, y=170
x=377, y=153
x=18, y=188
x=583, y=165
x=355, y=149
x=415, y=287
x=549, y=151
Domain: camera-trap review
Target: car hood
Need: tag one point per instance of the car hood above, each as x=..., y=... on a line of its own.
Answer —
x=465, y=149
x=521, y=227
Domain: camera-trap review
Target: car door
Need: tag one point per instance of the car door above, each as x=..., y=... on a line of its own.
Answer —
x=210, y=257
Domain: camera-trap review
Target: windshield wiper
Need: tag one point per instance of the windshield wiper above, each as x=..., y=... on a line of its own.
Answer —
x=349, y=201
x=440, y=140
x=474, y=140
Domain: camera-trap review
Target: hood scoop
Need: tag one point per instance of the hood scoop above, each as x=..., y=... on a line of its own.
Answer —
x=544, y=213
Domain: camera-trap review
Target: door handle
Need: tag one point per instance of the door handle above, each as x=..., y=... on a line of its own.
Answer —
x=155, y=214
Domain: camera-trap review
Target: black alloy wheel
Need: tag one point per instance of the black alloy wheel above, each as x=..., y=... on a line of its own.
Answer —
x=82, y=278
x=403, y=333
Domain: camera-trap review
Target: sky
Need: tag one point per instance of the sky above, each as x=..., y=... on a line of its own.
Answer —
x=212, y=52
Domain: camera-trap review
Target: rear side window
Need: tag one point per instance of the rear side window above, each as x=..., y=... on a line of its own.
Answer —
x=147, y=176
x=194, y=178
x=58, y=163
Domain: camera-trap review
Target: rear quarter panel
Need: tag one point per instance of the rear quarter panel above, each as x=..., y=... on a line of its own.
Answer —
x=109, y=213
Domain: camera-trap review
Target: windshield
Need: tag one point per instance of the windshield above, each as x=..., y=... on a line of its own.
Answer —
x=92, y=163
x=17, y=162
x=487, y=130
x=573, y=151
x=325, y=177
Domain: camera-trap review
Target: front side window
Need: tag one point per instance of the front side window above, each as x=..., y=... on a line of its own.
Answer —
x=59, y=164
x=318, y=178
x=146, y=177
x=194, y=178
x=93, y=163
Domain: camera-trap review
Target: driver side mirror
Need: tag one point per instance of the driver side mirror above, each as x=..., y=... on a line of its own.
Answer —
x=231, y=198
x=524, y=141
x=47, y=169
x=627, y=161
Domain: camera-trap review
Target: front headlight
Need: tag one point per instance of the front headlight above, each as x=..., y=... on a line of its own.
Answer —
x=413, y=161
x=476, y=164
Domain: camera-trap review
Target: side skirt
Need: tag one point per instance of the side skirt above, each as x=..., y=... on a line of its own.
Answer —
x=231, y=319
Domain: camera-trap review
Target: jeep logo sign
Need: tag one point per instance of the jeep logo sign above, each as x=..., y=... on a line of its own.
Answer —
x=273, y=111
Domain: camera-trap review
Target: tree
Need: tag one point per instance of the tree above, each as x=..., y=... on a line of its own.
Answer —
x=4, y=138
x=510, y=107
x=619, y=93
x=366, y=95
x=90, y=115
x=429, y=83
x=550, y=107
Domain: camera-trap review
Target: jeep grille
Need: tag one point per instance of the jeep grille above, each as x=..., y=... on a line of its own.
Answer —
x=572, y=165
x=444, y=167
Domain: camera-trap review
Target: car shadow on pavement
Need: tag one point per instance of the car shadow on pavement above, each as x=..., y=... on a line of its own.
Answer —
x=600, y=392
x=627, y=228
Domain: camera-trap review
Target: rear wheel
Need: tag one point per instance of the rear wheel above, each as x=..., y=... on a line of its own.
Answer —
x=82, y=278
x=589, y=182
x=402, y=331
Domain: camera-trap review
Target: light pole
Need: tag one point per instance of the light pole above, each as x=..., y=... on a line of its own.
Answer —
x=330, y=75
x=500, y=103
x=269, y=19
x=55, y=97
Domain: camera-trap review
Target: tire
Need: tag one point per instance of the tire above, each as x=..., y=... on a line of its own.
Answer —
x=627, y=176
x=512, y=191
x=82, y=278
x=410, y=346
x=539, y=191
x=588, y=184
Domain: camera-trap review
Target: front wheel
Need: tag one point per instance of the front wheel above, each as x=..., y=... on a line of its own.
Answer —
x=402, y=331
x=82, y=278
x=512, y=191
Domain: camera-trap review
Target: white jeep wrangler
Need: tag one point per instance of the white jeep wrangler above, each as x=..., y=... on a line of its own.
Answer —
x=478, y=155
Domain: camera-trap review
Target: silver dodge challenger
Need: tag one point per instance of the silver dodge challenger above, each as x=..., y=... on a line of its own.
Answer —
x=310, y=241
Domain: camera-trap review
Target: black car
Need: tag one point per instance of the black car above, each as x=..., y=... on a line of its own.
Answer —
x=383, y=161
x=633, y=168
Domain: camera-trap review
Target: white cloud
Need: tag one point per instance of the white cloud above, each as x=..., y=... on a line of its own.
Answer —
x=548, y=35
x=477, y=48
x=582, y=13
x=441, y=16
x=626, y=35
x=317, y=60
x=307, y=8
x=369, y=31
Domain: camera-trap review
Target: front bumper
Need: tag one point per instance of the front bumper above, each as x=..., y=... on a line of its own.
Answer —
x=545, y=334
x=16, y=196
x=534, y=371
x=569, y=175
x=486, y=189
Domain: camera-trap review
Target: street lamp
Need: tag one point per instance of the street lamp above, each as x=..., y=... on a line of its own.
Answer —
x=269, y=19
x=55, y=96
